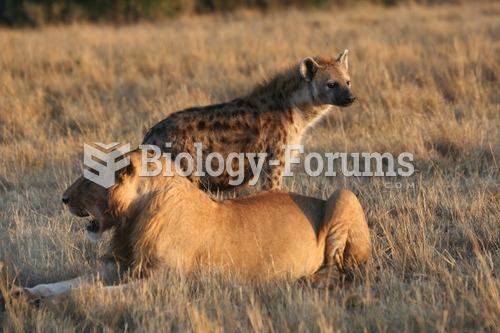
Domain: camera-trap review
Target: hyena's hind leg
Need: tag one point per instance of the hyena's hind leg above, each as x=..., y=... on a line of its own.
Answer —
x=347, y=241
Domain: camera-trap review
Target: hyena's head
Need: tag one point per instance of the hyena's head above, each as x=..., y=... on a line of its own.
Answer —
x=328, y=79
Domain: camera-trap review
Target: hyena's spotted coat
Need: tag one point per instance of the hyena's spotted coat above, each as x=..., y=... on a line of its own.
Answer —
x=272, y=115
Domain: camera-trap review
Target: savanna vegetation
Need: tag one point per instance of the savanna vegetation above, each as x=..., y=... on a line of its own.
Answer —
x=427, y=80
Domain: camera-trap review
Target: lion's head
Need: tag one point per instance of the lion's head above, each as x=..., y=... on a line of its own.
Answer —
x=135, y=188
x=86, y=198
x=107, y=207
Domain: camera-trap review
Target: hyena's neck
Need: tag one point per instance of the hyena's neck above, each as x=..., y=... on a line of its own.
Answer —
x=288, y=91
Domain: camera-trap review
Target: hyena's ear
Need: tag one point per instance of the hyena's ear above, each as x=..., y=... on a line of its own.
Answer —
x=343, y=59
x=308, y=68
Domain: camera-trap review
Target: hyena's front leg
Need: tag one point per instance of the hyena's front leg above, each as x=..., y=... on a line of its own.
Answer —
x=108, y=274
x=273, y=172
x=275, y=177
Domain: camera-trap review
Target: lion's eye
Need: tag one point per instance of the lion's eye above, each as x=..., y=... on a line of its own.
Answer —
x=332, y=85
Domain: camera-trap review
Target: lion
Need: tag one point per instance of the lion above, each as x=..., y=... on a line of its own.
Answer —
x=162, y=223
x=84, y=198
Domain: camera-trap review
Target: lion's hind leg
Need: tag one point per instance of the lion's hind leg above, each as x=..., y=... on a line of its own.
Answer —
x=348, y=238
x=347, y=242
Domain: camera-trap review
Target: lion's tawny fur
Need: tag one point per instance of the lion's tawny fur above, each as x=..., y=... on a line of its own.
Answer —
x=168, y=222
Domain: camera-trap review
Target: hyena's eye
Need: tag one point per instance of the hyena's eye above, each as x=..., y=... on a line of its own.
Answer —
x=348, y=83
x=332, y=85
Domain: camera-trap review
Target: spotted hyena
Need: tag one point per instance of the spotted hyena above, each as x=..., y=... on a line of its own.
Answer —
x=274, y=114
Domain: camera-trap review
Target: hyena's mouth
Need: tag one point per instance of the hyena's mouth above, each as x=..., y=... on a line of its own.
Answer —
x=345, y=103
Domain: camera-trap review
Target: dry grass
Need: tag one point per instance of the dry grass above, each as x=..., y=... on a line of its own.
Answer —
x=428, y=80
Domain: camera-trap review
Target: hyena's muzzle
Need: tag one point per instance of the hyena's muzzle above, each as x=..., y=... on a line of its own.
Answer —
x=344, y=97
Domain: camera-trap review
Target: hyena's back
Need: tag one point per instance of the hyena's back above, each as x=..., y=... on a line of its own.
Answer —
x=234, y=127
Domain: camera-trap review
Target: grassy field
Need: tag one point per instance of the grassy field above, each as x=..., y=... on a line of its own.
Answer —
x=428, y=82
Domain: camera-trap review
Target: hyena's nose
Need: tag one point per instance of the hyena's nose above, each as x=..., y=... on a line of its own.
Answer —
x=65, y=200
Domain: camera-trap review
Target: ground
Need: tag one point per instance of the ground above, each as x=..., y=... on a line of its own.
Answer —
x=427, y=80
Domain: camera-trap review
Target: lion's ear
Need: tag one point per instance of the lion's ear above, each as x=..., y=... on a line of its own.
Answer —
x=125, y=172
x=130, y=169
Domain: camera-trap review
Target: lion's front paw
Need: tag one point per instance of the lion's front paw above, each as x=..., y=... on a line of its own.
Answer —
x=17, y=293
x=39, y=295
x=33, y=295
x=39, y=291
